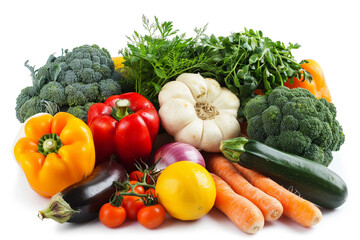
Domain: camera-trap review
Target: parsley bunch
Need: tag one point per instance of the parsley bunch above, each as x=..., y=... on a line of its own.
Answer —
x=245, y=61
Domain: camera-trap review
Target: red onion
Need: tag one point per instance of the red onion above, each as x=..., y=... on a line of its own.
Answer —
x=175, y=152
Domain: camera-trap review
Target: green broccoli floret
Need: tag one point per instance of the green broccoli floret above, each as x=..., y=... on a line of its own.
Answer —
x=271, y=118
x=31, y=107
x=289, y=123
x=255, y=106
x=255, y=128
x=295, y=121
x=314, y=151
x=85, y=74
x=293, y=142
x=25, y=95
x=88, y=63
x=80, y=93
x=272, y=141
x=80, y=111
x=108, y=87
x=74, y=96
x=53, y=92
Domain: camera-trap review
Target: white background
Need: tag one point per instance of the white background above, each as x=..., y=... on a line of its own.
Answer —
x=328, y=32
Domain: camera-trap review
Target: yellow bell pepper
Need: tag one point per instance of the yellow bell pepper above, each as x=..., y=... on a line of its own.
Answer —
x=56, y=152
x=118, y=62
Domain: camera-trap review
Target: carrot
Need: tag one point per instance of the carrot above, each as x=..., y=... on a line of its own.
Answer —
x=243, y=213
x=222, y=167
x=295, y=207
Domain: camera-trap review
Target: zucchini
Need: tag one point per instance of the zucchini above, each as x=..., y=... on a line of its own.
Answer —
x=313, y=181
x=81, y=202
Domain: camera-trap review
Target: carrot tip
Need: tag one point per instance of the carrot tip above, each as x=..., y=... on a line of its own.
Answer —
x=255, y=229
x=316, y=220
x=275, y=214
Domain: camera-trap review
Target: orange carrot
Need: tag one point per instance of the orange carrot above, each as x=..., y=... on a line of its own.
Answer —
x=295, y=207
x=219, y=165
x=243, y=213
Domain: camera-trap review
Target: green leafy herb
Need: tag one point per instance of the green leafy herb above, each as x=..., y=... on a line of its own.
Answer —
x=245, y=61
x=151, y=60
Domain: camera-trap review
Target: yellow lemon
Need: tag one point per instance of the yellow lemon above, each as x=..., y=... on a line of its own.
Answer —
x=186, y=190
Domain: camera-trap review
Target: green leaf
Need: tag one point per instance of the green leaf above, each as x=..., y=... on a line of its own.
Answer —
x=160, y=73
x=32, y=71
x=236, y=81
x=253, y=59
x=253, y=42
x=156, y=86
x=41, y=82
x=267, y=85
x=54, y=72
x=266, y=73
x=269, y=57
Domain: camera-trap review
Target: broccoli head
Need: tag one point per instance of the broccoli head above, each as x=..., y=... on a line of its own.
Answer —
x=295, y=121
x=84, y=75
x=87, y=64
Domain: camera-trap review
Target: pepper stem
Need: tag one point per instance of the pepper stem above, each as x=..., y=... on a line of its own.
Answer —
x=121, y=109
x=49, y=143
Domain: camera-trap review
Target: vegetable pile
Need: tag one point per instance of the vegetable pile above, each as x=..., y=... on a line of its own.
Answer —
x=178, y=126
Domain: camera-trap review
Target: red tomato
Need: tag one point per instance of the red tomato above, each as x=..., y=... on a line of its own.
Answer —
x=137, y=176
x=151, y=216
x=112, y=216
x=132, y=205
x=138, y=189
x=151, y=192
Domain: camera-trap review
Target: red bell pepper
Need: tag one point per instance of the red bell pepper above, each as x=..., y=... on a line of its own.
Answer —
x=125, y=125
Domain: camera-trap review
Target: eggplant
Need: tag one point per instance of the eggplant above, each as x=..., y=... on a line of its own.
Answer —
x=81, y=202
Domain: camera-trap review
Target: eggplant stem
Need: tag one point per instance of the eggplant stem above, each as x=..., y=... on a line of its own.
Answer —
x=58, y=210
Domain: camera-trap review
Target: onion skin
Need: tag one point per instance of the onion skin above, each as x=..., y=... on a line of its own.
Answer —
x=176, y=152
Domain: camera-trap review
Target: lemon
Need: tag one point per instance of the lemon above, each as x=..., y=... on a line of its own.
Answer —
x=186, y=190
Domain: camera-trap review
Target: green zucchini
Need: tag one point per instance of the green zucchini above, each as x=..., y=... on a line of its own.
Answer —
x=313, y=181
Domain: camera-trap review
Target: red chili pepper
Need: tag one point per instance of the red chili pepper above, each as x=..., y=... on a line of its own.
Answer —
x=125, y=125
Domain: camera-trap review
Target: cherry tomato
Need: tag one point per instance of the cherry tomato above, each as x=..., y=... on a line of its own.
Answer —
x=138, y=189
x=151, y=192
x=112, y=216
x=151, y=216
x=132, y=205
x=137, y=176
